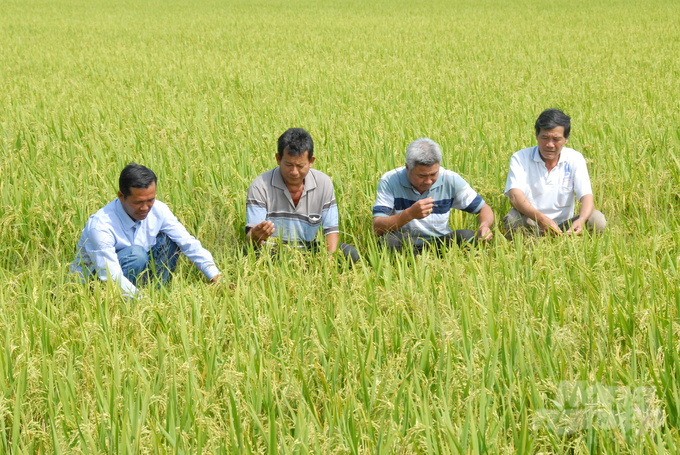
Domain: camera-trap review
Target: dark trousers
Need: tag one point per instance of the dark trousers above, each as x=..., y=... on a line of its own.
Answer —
x=566, y=225
x=348, y=251
x=398, y=240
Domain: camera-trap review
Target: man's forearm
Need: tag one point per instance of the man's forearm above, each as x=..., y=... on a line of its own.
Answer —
x=587, y=207
x=251, y=239
x=519, y=201
x=486, y=217
x=384, y=224
x=115, y=272
x=332, y=242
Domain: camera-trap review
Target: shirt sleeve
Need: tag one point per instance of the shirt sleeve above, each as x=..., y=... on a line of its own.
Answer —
x=189, y=245
x=517, y=176
x=466, y=199
x=102, y=251
x=384, y=201
x=256, y=207
x=330, y=218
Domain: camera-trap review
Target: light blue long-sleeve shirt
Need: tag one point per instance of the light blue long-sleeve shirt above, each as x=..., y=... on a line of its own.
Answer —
x=111, y=230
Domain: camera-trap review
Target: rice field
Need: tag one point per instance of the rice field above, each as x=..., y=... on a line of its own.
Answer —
x=565, y=345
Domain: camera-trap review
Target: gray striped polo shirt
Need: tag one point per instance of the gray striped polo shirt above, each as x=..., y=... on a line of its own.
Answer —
x=269, y=199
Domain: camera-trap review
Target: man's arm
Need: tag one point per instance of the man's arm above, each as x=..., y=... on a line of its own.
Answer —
x=260, y=233
x=101, y=248
x=515, y=184
x=332, y=242
x=189, y=245
x=587, y=207
x=330, y=219
x=418, y=211
x=519, y=201
x=584, y=193
x=258, y=228
x=486, y=218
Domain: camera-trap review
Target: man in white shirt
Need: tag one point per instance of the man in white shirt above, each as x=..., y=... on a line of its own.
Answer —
x=134, y=235
x=544, y=179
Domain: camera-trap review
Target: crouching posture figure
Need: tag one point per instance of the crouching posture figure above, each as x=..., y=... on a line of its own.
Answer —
x=135, y=237
x=414, y=203
x=292, y=201
x=543, y=180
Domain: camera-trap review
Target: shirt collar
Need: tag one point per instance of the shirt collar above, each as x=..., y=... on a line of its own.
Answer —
x=536, y=156
x=406, y=183
x=277, y=181
x=125, y=220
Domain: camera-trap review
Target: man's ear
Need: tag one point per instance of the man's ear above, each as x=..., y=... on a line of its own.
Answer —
x=120, y=195
x=278, y=159
x=311, y=162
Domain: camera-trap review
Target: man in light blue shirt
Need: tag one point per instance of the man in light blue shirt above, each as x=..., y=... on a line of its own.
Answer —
x=414, y=202
x=134, y=235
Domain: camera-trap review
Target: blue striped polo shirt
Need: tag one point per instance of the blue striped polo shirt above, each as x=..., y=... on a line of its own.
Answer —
x=269, y=199
x=396, y=194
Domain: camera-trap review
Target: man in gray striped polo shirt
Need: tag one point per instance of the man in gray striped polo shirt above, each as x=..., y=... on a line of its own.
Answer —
x=414, y=202
x=292, y=201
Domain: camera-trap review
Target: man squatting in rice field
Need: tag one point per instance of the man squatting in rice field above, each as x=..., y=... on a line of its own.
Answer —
x=292, y=201
x=543, y=180
x=414, y=202
x=135, y=238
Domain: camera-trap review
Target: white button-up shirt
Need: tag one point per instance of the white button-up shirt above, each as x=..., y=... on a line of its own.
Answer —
x=550, y=192
x=111, y=230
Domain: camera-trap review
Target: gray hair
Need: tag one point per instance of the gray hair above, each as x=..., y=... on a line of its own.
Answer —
x=423, y=151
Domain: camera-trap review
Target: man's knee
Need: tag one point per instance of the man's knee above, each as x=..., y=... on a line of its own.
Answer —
x=164, y=247
x=465, y=236
x=514, y=220
x=349, y=252
x=133, y=260
x=597, y=222
x=393, y=240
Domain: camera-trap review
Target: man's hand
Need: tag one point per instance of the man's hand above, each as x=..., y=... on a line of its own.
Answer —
x=421, y=208
x=519, y=201
x=216, y=278
x=576, y=227
x=486, y=219
x=484, y=234
x=261, y=232
x=587, y=207
x=418, y=211
x=548, y=226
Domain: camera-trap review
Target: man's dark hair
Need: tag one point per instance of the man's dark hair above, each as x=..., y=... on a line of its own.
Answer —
x=296, y=141
x=135, y=176
x=552, y=118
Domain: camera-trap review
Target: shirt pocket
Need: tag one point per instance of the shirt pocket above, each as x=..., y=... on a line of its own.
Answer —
x=566, y=192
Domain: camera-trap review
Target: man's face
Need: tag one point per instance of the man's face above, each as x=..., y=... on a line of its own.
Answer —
x=550, y=143
x=422, y=177
x=294, y=169
x=139, y=202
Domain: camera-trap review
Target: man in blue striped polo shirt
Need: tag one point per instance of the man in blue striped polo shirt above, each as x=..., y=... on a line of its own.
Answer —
x=414, y=202
x=291, y=202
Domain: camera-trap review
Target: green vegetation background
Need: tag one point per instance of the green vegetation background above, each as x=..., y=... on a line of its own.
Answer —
x=462, y=354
